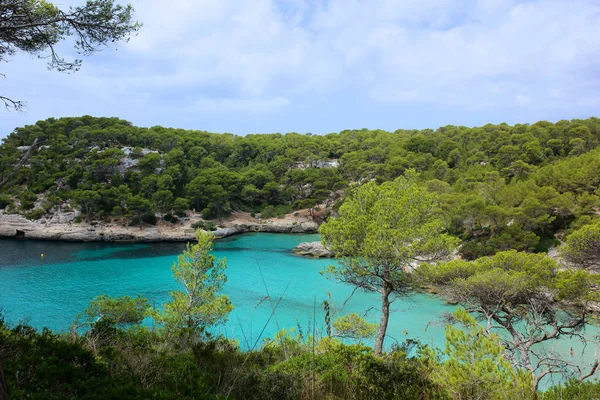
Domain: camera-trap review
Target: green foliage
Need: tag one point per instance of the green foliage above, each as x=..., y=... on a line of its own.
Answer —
x=27, y=199
x=119, y=311
x=140, y=364
x=510, y=237
x=180, y=206
x=473, y=365
x=149, y=163
x=58, y=369
x=205, y=225
x=499, y=187
x=88, y=201
x=35, y=214
x=278, y=211
x=5, y=201
x=380, y=231
x=140, y=209
x=353, y=372
x=163, y=201
x=355, y=327
x=199, y=306
x=582, y=247
x=573, y=389
x=513, y=288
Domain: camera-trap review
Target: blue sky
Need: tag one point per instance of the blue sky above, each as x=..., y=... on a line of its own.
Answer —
x=253, y=66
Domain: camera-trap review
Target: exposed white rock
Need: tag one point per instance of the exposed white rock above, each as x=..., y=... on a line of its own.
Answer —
x=312, y=249
x=61, y=226
x=63, y=217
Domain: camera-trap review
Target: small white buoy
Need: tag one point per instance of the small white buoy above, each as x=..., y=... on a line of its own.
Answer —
x=42, y=255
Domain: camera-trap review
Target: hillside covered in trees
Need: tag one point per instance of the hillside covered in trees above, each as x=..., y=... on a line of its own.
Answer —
x=500, y=187
x=497, y=191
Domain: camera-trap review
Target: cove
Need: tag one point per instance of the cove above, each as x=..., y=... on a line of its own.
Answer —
x=49, y=291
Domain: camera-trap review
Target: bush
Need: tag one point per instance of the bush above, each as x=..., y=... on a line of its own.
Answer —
x=573, y=389
x=511, y=237
x=47, y=205
x=205, y=225
x=282, y=210
x=272, y=212
x=57, y=369
x=180, y=206
x=268, y=212
x=354, y=372
x=546, y=243
x=5, y=201
x=306, y=203
x=28, y=200
x=171, y=218
x=35, y=214
x=473, y=249
x=150, y=219
x=117, y=211
x=136, y=153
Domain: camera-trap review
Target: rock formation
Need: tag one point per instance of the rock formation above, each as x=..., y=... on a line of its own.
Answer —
x=312, y=249
x=62, y=226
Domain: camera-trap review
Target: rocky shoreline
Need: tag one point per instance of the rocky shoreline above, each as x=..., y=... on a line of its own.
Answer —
x=62, y=227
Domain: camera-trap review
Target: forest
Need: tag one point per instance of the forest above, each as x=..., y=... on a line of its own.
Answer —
x=499, y=187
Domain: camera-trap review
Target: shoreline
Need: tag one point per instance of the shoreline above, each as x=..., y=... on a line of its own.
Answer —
x=61, y=227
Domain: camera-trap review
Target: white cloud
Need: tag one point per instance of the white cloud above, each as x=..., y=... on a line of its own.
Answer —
x=264, y=56
x=448, y=52
x=248, y=45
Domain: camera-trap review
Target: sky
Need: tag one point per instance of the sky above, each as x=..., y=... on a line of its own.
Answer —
x=321, y=66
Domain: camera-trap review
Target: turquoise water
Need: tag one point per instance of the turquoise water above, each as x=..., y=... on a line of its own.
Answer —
x=49, y=291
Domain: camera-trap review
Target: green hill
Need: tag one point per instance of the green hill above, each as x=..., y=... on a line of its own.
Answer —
x=499, y=186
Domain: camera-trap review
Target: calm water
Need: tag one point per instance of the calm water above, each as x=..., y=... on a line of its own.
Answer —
x=49, y=291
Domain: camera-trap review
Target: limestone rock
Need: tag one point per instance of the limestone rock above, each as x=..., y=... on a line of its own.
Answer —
x=312, y=249
x=61, y=226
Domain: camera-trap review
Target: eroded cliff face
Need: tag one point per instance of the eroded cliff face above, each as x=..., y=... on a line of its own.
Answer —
x=62, y=227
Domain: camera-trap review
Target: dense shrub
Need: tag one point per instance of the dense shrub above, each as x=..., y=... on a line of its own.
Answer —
x=573, y=390
x=205, y=225
x=139, y=364
x=35, y=214
x=5, y=201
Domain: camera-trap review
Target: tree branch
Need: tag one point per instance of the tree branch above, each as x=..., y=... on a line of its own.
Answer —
x=9, y=103
x=591, y=372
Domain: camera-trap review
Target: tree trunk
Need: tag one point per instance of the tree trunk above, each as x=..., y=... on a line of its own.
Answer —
x=385, y=316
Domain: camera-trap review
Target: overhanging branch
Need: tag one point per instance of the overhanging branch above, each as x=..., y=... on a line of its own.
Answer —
x=9, y=103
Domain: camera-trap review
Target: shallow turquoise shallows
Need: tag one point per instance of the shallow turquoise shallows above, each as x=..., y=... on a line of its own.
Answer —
x=49, y=290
